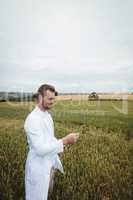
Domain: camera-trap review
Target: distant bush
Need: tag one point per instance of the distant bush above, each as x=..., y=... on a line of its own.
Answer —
x=93, y=96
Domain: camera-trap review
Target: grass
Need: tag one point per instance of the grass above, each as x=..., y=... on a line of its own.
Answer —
x=98, y=167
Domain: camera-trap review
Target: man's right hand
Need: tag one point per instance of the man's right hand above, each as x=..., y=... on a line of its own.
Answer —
x=70, y=138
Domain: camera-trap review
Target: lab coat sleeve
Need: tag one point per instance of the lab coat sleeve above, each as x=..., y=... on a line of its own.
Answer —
x=38, y=140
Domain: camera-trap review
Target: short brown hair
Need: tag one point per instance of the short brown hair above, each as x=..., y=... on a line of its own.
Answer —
x=44, y=88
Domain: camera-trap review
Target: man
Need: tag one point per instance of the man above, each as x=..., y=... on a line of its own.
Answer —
x=43, y=146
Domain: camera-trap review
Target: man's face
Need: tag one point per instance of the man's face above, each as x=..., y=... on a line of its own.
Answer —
x=48, y=99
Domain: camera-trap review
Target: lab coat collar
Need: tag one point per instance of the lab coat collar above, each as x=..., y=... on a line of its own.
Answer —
x=42, y=113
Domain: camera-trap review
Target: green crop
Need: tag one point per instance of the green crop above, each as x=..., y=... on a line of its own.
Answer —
x=98, y=167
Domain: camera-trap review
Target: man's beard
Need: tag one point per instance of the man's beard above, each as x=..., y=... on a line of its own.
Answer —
x=45, y=107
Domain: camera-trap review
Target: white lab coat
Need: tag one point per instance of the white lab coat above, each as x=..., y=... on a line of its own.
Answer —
x=42, y=155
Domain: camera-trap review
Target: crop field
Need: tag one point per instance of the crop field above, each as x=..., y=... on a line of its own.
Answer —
x=98, y=167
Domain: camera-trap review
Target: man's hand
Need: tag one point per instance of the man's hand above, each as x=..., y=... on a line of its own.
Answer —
x=70, y=138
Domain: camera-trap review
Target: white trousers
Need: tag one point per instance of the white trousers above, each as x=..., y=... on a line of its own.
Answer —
x=38, y=189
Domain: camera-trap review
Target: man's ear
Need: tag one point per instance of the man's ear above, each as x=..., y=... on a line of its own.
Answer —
x=40, y=99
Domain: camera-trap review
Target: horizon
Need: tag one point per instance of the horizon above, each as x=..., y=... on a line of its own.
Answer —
x=62, y=93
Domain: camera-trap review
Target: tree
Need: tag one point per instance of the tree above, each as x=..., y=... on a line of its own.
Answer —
x=93, y=96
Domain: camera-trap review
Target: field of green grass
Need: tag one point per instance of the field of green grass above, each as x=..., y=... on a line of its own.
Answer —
x=98, y=167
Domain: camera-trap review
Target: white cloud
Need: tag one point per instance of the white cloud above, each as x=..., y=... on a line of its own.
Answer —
x=66, y=43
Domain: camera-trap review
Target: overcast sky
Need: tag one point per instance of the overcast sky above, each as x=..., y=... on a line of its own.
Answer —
x=75, y=45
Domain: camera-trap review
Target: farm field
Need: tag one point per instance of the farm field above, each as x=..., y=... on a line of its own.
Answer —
x=98, y=167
